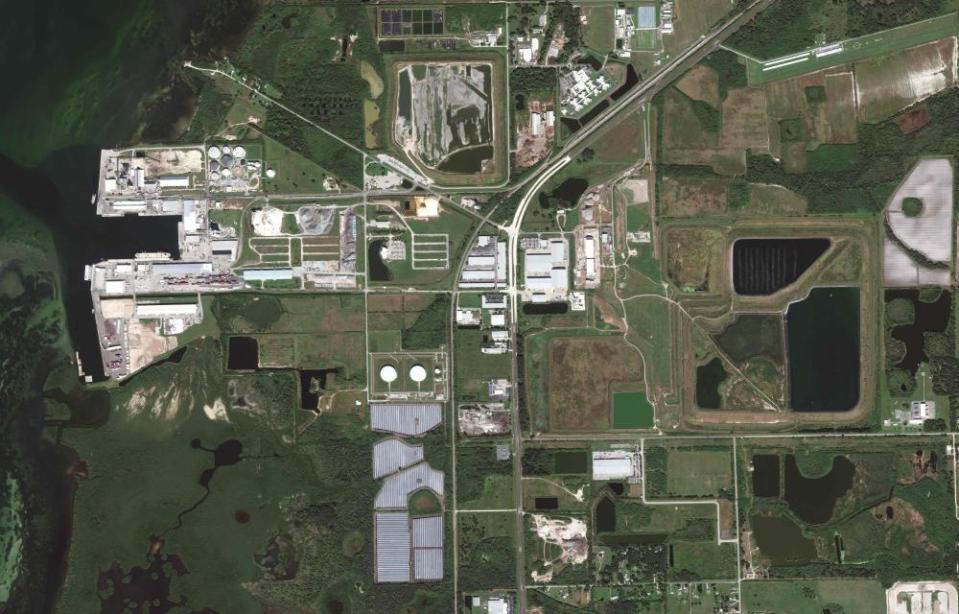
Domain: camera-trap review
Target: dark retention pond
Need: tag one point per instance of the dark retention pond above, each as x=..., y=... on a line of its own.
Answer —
x=766, y=476
x=930, y=317
x=782, y=540
x=605, y=515
x=545, y=309
x=243, y=354
x=814, y=499
x=763, y=266
x=708, y=379
x=822, y=333
x=378, y=269
x=467, y=161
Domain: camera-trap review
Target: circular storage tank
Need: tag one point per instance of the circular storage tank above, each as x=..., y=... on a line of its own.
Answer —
x=418, y=373
x=227, y=160
x=226, y=173
x=270, y=173
x=239, y=151
x=227, y=149
x=388, y=373
x=213, y=152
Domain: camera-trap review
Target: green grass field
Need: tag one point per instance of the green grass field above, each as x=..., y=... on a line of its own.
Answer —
x=631, y=410
x=854, y=596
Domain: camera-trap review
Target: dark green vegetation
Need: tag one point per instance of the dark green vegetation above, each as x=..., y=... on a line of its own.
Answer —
x=280, y=516
x=732, y=73
x=861, y=176
x=487, y=551
x=911, y=206
x=864, y=510
x=787, y=27
x=920, y=329
x=546, y=461
x=429, y=330
x=300, y=51
x=751, y=336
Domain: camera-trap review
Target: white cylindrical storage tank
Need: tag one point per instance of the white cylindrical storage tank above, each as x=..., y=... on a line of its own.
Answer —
x=388, y=373
x=213, y=152
x=418, y=373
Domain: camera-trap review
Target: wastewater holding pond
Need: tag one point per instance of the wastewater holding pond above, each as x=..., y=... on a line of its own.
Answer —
x=822, y=333
x=763, y=266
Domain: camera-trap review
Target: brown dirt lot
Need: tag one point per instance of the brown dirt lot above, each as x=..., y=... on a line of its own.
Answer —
x=831, y=121
x=682, y=197
x=624, y=142
x=701, y=83
x=840, y=109
x=767, y=199
x=691, y=19
x=744, y=120
x=889, y=84
x=913, y=119
x=581, y=370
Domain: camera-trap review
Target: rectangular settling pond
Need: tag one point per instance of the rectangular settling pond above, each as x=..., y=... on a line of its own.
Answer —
x=632, y=410
x=822, y=334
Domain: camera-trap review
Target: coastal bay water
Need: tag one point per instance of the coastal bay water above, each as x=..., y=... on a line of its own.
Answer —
x=79, y=76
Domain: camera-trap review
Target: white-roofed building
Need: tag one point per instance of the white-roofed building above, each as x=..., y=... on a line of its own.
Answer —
x=392, y=546
x=392, y=455
x=411, y=419
x=397, y=488
x=615, y=465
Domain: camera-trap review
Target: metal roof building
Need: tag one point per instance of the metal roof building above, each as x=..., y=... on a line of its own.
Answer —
x=392, y=547
x=428, y=563
x=428, y=532
x=267, y=274
x=405, y=418
x=396, y=489
x=182, y=268
x=391, y=455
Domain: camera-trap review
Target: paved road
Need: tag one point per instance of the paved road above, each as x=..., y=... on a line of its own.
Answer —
x=644, y=91
x=640, y=94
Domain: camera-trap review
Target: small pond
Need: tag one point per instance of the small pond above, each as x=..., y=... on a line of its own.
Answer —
x=243, y=354
x=781, y=539
x=709, y=377
x=766, y=475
